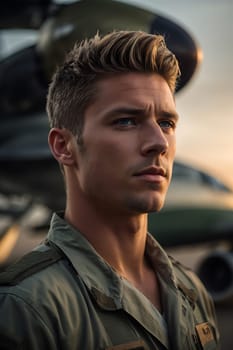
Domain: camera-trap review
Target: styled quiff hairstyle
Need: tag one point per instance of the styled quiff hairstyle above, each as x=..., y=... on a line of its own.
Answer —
x=73, y=86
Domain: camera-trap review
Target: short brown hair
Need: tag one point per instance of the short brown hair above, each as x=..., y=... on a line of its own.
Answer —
x=73, y=85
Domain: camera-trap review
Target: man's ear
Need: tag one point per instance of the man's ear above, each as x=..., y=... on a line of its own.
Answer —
x=60, y=143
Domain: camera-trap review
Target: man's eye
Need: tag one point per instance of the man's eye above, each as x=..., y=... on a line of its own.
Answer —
x=125, y=122
x=167, y=124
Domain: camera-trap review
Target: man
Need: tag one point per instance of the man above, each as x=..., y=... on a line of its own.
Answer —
x=100, y=281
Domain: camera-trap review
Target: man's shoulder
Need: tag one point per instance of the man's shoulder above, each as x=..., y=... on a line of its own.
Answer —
x=33, y=291
x=29, y=265
x=41, y=276
x=28, y=286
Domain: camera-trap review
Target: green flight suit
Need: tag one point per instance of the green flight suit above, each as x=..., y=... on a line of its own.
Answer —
x=65, y=296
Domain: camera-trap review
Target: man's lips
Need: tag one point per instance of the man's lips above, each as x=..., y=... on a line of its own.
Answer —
x=153, y=173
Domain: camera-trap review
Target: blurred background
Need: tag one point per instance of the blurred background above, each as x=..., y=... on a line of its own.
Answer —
x=196, y=223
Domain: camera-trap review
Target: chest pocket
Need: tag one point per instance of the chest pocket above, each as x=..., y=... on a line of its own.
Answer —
x=120, y=331
x=135, y=345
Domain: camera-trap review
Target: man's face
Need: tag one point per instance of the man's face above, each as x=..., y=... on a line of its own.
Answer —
x=125, y=163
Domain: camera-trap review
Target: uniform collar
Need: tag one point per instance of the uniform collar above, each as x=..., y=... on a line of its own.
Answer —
x=160, y=261
x=109, y=290
x=100, y=278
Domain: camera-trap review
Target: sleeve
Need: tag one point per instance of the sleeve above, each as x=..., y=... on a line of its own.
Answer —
x=21, y=326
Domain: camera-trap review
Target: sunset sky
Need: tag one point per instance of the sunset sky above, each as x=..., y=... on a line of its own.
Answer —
x=205, y=131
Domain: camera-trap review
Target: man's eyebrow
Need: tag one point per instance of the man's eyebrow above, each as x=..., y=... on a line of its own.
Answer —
x=168, y=114
x=134, y=111
x=126, y=110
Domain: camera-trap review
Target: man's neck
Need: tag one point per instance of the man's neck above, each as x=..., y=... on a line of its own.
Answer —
x=120, y=240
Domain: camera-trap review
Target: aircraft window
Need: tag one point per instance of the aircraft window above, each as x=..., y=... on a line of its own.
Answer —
x=215, y=183
x=15, y=39
x=181, y=171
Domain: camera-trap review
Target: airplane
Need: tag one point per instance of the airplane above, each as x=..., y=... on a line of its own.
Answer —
x=28, y=172
x=25, y=75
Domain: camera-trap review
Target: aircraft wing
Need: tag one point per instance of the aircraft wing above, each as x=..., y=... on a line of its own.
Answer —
x=24, y=14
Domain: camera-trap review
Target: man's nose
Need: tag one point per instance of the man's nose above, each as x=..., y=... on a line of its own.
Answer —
x=154, y=140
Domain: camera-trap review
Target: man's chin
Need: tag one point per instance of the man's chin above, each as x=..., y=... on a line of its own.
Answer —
x=155, y=204
x=145, y=206
x=155, y=208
